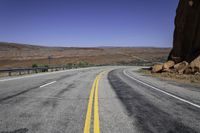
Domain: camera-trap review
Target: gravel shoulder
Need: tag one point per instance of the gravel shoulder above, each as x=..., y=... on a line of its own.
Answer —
x=192, y=80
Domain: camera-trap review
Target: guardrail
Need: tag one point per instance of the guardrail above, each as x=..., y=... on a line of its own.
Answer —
x=21, y=71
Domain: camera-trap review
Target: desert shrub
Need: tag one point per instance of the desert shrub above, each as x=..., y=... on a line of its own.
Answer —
x=46, y=65
x=69, y=65
x=41, y=65
x=34, y=65
x=83, y=64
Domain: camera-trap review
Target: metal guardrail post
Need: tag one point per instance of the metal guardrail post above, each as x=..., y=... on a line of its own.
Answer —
x=9, y=73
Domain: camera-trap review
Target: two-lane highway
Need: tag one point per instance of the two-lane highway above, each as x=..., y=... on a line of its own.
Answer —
x=97, y=99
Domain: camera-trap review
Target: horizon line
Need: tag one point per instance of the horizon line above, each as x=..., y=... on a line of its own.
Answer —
x=100, y=46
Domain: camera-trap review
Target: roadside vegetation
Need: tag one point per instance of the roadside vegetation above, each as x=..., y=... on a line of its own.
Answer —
x=39, y=65
x=79, y=64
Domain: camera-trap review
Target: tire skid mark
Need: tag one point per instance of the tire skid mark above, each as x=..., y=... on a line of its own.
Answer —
x=33, y=88
x=54, y=102
x=61, y=92
x=22, y=130
x=17, y=94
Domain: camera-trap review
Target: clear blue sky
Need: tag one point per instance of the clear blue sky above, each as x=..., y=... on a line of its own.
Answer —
x=88, y=22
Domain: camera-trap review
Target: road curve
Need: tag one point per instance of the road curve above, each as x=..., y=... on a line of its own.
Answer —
x=119, y=100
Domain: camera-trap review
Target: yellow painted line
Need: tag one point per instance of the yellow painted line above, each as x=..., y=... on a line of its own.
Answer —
x=96, y=109
x=89, y=110
x=93, y=95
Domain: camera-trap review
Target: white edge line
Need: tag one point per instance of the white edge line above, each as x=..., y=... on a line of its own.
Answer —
x=47, y=84
x=176, y=97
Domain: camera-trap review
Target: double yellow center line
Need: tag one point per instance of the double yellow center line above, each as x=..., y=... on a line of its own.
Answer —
x=93, y=96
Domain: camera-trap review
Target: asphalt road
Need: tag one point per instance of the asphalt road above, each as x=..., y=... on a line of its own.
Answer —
x=98, y=99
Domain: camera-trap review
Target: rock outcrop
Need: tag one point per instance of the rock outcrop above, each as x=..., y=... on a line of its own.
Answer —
x=180, y=68
x=184, y=57
x=186, y=43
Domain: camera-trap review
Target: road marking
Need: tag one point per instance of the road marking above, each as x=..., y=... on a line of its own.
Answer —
x=93, y=96
x=47, y=84
x=96, y=109
x=155, y=88
x=89, y=110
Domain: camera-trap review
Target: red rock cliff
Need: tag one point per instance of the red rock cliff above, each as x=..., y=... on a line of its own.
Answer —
x=186, y=43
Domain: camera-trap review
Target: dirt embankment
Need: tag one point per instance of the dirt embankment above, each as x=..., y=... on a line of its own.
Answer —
x=181, y=78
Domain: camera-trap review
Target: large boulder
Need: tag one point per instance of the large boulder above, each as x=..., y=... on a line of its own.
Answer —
x=188, y=70
x=181, y=67
x=169, y=64
x=157, y=68
x=195, y=65
x=186, y=43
